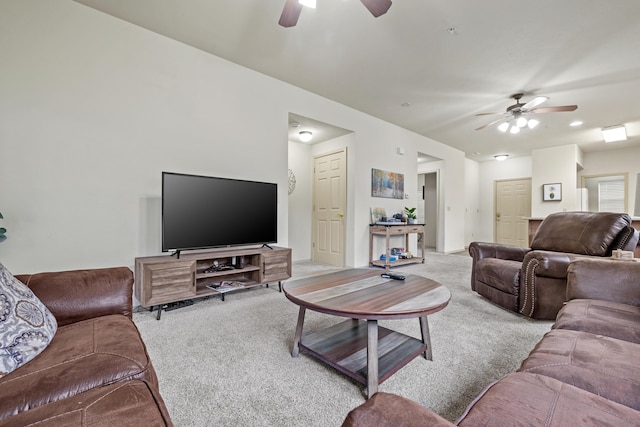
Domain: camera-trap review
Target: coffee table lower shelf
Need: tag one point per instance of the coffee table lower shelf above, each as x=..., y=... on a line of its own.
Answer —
x=344, y=347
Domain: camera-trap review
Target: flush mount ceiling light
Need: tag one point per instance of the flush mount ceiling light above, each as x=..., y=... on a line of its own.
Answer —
x=614, y=133
x=501, y=157
x=305, y=136
x=576, y=123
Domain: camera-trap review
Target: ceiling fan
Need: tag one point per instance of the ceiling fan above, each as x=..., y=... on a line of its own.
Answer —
x=292, y=9
x=515, y=117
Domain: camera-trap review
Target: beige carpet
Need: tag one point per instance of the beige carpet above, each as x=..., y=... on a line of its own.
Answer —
x=229, y=364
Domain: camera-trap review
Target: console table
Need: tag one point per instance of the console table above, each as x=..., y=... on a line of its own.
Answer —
x=389, y=230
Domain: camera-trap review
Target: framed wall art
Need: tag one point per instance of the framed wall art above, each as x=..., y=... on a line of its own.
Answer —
x=387, y=184
x=552, y=192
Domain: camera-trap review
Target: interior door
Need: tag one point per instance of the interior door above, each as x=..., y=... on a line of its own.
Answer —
x=513, y=207
x=329, y=208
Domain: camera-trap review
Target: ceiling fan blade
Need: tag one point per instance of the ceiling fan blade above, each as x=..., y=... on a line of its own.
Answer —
x=489, y=114
x=377, y=7
x=501, y=119
x=290, y=13
x=553, y=109
x=534, y=102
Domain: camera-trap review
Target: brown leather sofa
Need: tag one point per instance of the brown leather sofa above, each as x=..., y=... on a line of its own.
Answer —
x=96, y=370
x=532, y=281
x=582, y=373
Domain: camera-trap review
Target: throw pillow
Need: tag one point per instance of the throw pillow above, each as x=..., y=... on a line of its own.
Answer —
x=26, y=325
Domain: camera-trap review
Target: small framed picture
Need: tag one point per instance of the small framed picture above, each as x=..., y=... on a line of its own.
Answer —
x=552, y=192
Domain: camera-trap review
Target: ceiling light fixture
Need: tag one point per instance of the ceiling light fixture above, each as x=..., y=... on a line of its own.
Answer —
x=501, y=157
x=614, y=133
x=576, y=123
x=503, y=127
x=515, y=129
x=308, y=3
x=305, y=136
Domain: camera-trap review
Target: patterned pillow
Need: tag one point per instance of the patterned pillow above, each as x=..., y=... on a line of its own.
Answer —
x=26, y=325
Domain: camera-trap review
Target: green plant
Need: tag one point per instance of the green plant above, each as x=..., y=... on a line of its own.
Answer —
x=3, y=236
x=411, y=212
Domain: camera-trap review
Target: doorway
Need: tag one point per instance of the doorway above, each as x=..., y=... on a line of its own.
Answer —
x=428, y=214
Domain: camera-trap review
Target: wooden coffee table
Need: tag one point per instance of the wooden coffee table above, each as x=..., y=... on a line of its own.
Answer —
x=364, y=351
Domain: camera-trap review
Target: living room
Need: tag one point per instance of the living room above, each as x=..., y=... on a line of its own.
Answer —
x=94, y=108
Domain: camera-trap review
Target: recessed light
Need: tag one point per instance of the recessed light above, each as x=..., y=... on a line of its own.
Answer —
x=576, y=123
x=405, y=104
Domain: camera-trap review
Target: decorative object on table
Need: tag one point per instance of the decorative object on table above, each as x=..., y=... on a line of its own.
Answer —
x=385, y=184
x=292, y=181
x=552, y=192
x=411, y=215
x=378, y=215
x=3, y=230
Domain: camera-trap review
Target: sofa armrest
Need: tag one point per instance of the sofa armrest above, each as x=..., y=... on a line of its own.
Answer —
x=547, y=264
x=604, y=279
x=390, y=410
x=78, y=295
x=480, y=250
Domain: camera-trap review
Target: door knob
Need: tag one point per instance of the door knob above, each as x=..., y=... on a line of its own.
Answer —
x=340, y=214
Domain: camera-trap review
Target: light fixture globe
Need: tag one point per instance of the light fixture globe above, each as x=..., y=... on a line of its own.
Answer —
x=501, y=157
x=305, y=136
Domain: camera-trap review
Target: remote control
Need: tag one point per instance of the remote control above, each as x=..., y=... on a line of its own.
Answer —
x=392, y=276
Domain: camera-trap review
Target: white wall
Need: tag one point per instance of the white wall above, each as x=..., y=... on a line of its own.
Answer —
x=554, y=165
x=489, y=173
x=300, y=202
x=472, y=201
x=92, y=109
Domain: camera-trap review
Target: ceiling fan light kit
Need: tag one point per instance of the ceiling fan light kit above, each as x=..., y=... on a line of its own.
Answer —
x=614, y=133
x=514, y=118
x=292, y=9
x=308, y=3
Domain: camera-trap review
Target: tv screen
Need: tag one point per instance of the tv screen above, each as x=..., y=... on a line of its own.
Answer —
x=202, y=212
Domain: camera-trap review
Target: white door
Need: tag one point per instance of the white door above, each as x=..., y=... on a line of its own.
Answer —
x=329, y=208
x=513, y=207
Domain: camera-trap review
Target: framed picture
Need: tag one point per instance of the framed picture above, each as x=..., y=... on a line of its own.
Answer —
x=387, y=184
x=551, y=192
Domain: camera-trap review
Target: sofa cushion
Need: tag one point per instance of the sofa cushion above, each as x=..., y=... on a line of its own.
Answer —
x=612, y=319
x=125, y=404
x=601, y=365
x=501, y=274
x=390, y=410
x=522, y=399
x=26, y=325
x=587, y=233
x=82, y=356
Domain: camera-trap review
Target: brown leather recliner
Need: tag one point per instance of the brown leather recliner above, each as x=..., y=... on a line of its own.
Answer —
x=533, y=281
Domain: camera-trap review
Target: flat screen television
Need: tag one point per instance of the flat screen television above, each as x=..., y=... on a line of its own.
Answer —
x=201, y=212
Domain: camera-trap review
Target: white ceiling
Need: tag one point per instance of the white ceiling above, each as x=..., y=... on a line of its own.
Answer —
x=447, y=59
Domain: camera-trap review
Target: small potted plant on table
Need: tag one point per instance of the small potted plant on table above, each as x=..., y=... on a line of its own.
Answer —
x=411, y=215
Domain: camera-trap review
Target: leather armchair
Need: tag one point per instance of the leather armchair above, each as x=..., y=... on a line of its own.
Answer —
x=533, y=281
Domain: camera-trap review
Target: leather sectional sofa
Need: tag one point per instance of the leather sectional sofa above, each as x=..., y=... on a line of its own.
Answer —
x=582, y=373
x=532, y=281
x=96, y=370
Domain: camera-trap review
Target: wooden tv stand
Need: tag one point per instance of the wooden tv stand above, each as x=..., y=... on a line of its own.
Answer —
x=166, y=279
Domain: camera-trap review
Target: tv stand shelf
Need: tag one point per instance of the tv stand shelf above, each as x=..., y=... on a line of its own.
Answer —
x=161, y=280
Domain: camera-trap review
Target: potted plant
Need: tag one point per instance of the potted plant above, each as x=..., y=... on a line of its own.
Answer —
x=3, y=236
x=411, y=215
